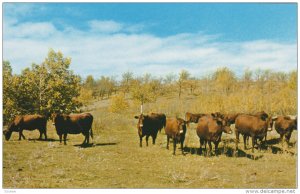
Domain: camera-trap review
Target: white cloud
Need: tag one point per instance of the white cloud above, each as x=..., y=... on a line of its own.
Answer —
x=112, y=54
x=105, y=26
x=29, y=29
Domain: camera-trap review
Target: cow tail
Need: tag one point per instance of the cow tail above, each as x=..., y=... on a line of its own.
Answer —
x=92, y=133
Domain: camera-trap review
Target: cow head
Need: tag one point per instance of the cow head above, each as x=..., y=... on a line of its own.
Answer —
x=224, y=125
x=181, y=125
x=270, y=123
x=263, y=115
x=7, y=134
x=140, y=124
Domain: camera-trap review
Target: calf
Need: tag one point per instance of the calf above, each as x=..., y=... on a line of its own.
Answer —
x=210, y=129
x=149, y=125
x=284, y=126
x=27, y=122
x=175, y=129
x=73, y=124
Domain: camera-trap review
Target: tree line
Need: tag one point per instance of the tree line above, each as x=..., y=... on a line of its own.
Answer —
x=52, y=87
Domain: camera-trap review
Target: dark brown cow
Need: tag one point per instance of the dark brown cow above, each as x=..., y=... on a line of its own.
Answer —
x=148, y=125
x=175, y=129
x=210, y=129
x=254, y=126
x=27, y=122
x=161, y=117
x=284, y=126
x=73, y=124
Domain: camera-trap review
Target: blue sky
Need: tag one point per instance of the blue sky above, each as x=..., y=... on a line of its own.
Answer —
x=110, y=38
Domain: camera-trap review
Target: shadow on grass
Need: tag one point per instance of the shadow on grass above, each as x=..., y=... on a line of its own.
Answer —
x=94, y=145
x=47, y=140
x=229, y=152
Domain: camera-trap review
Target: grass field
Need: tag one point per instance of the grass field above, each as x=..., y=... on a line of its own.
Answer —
x=115, y=159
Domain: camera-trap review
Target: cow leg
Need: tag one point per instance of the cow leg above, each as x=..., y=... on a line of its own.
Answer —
x=287, y=137
x=65, y=138
x=40, y=134
x=181, y=145
x=45, y=133
x=153, y=139
x=174, y=145
x=168, y=140
x=141, y=138
x=253, y=143
x=205, y=142
x=210, y=148
x=237, y=134
x=60, y=138
x=21, y=135
x=201, y=143
x=245, y=140
x=147, y=137
x=216, y=148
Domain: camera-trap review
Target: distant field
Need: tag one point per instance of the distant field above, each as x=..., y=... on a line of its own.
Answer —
x=115, y=159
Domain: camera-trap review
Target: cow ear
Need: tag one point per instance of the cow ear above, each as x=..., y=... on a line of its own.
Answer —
x=213, y=114
x=136, y=117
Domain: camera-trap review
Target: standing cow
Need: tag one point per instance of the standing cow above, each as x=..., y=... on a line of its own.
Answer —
x=175, y=129
x=284, y=126
x=254, y=126
x=161, y=117
x=73, y=124
x=210, y=129
x=27, y=122
x=149, y=125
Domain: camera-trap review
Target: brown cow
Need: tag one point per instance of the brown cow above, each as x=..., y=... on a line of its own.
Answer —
x=254, y=126
x=210, y=129
x=73, y=124
x=190, y=117
x=284, y=126
x=263, y=115
x=148, y=125
x=27, y=122
x=175, y=129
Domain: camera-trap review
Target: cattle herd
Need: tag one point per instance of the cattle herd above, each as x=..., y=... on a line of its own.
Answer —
x=209, y=127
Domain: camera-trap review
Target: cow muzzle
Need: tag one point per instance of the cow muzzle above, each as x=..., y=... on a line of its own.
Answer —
x=141, y=125
x=181, y=131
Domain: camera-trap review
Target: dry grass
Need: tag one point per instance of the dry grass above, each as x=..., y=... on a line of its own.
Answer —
x=115, y=159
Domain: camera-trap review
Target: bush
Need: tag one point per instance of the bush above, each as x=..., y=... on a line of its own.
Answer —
x=118, y=104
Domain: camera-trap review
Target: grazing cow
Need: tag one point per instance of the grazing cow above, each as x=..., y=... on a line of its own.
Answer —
x=284, y=126
x=27, y=122
x=161, y=117
x=175, y=129
x=254, y=126
x=149, y=125
x=210, y=129
x=73, y=124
